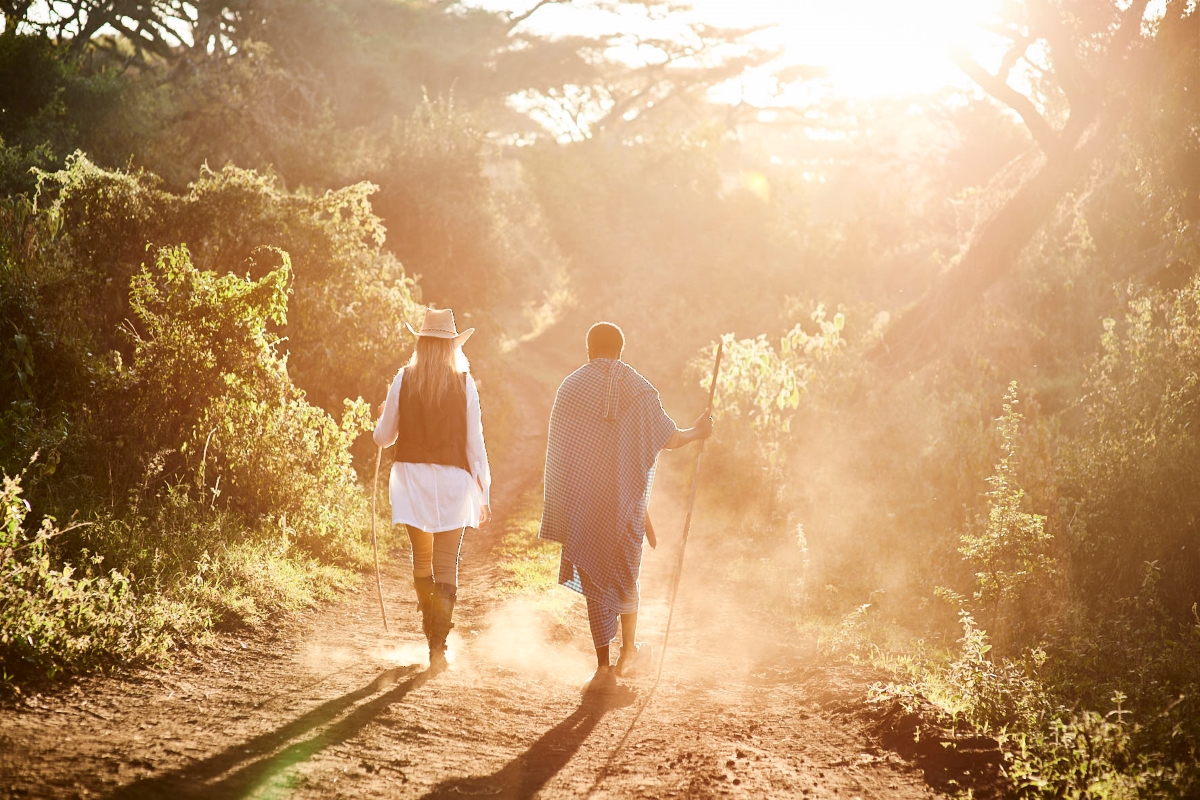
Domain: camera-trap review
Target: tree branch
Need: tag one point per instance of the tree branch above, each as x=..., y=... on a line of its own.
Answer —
x=516, y=19
x=1046, y=137
x=1012, y=57
x=1131, y=25
x=1072, y=76
x=993, y=250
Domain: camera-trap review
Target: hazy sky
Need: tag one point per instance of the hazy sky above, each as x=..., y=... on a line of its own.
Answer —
x=870, y=47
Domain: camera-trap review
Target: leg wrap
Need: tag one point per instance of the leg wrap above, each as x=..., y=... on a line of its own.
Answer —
x=446, y=546
x=424, y=589
x=443, y=599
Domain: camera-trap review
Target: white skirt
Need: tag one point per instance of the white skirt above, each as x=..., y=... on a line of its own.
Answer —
x=434, y=497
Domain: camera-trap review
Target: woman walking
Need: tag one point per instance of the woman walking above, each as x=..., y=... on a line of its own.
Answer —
x=440, y=481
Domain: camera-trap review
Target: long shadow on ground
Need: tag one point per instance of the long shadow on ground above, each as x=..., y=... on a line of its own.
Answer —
x=211, y=778
x=526, y=774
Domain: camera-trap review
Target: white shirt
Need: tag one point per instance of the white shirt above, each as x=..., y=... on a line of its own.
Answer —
x=436, y=497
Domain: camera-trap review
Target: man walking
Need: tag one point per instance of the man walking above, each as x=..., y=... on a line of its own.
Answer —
x=607, y=428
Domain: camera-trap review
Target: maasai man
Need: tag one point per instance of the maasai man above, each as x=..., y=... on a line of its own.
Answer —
x=606, y=431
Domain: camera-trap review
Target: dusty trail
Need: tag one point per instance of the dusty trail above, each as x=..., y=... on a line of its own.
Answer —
x=330, y=706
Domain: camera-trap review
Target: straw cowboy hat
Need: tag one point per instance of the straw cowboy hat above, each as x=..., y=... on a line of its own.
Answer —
x=439, y=323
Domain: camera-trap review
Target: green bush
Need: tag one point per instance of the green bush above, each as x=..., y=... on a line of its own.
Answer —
x=1092, y=689
x=1129, y=476
x=1009, y=548
x=345, y=327
x=210, y=485
x=206, y=403
x=759, y=393
x=763, y=385
x=56, y=618
x=54, y=104
x=1052, y=748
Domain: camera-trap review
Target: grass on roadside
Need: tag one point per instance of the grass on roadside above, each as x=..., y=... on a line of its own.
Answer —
x=529, y=567
x=59, y=617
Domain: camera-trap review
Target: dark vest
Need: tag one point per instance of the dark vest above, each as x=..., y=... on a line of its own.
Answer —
x=433, y=433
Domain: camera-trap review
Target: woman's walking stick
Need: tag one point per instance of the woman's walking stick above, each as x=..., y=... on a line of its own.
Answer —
x=375, y=541
x=687, y=520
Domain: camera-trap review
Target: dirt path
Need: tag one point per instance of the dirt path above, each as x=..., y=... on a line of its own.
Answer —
x=330, y=706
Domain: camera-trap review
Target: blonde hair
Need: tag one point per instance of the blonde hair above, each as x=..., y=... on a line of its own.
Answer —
x=435, y=366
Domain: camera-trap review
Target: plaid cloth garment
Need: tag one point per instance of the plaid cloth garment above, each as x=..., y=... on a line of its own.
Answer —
x=606, y=430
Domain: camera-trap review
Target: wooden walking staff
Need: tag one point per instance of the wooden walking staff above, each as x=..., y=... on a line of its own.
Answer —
x=687, y=520
x=375, y=541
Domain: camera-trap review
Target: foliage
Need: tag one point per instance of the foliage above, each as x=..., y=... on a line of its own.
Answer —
x=440, y=207
x=247, y=109
x=67, y=617
x=1009, y=549
x=986, y=691
x=763, y=385
x=52, y=105
x=1117, y=644
x=329, y=94
x=758, y=395
x=209, y=483
x=1089, y=755
x=157, y=26
x=346, y=288
x=1051, y=749
x=1128, y=479
x=207, y=401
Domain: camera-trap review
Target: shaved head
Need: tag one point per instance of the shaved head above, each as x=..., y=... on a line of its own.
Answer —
x=605, y=340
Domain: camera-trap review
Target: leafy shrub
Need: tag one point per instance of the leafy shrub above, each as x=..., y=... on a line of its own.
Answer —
x=1098, y=650
x=760, y=388
x=1129, y=477
x=67, y=617
x=347, y=289
x=207, y=402
x=214, y=488
x=1008, y=549
x=1089, y=755
x=53, y=104
x=1051, y=749
x=986, y=691
x=763, y=385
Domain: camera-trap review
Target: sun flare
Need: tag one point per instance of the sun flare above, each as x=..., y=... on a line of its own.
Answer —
x=870, y=48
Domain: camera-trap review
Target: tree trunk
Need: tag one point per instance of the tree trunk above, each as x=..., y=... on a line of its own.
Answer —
x=915, y=335
x=995, y=248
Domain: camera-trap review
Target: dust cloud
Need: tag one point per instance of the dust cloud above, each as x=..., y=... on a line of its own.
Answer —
x=404, y=654
x=520, y=635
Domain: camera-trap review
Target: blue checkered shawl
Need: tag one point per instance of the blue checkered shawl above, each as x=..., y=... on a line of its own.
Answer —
x=607, y=428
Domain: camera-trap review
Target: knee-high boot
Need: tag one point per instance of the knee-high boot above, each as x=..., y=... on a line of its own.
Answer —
x=424, y=589
x=444, y=596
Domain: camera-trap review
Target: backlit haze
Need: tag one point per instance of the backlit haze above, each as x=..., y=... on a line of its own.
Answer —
x=869, y=48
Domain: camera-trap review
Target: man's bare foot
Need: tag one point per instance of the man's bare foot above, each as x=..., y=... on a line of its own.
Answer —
x=603, y=682
x=635, y=659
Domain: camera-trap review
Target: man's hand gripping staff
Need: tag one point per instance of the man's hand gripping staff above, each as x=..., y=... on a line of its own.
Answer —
x=701, y=429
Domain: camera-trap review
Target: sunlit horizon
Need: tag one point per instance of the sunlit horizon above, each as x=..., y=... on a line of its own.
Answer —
x=871, y=49
x=874, y=48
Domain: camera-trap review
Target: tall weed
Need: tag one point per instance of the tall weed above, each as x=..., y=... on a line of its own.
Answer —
x=64, y=617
